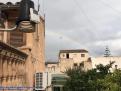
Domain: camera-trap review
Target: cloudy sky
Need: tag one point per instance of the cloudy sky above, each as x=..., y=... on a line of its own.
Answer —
x=81, y=24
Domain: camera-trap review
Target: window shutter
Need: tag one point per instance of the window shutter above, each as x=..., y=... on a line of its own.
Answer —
x=17, y=39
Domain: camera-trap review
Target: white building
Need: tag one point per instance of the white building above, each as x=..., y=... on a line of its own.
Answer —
x=72, y=58
x=107, y=60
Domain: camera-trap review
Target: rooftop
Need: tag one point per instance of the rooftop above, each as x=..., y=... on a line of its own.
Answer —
x=49, y=62
x=9, y=5
x=13, y=6
x=74, y=51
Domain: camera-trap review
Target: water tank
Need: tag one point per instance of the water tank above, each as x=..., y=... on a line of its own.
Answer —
x=24, y=10
x=23, y=22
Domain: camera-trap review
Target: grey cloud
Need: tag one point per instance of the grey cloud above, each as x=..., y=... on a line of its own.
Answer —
x=89, y=23
x=62, y=14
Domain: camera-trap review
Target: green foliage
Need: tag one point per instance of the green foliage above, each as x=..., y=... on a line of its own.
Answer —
x=98, y=79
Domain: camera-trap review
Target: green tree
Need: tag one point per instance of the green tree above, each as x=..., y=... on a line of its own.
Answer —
x=92, y=80
x=76, y=80
x=113, y=81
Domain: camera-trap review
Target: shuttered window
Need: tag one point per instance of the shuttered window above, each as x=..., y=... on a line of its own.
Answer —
x=17, y=39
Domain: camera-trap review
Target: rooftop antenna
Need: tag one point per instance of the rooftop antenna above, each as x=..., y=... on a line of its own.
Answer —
x=38, y=6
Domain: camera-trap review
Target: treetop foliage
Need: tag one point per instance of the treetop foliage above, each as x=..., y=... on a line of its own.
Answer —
x=97, y=79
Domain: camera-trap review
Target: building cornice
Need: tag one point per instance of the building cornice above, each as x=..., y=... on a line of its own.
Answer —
x=9, y=5
x=10, y=51
x=74, y=51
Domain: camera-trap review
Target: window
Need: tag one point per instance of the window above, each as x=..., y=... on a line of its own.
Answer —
x=67, y=55
x=82, y=55
x=49, y=68
x=116, y=66
x=63, y=55
x=75, y=64
x=56, y=89
x=17, y=39
x=53, y=68
x=38, y=81
x=81, y=64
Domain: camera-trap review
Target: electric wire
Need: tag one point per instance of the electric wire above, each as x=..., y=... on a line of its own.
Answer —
x=90, y=21
x=43, y=6
x=93, y=26
x=38, y=6
x=118, y=13
x=110, y=6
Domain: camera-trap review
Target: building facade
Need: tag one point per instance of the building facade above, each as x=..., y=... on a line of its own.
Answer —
x=107, y=60
x=12, y=67
x=67, y=59
x=52, y=67
x=72, y=58
x=31, y=44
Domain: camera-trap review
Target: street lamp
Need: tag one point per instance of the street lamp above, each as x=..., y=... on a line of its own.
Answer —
x=26, y=20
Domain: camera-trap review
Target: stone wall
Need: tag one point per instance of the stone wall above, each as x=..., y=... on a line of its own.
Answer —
x=12, y=65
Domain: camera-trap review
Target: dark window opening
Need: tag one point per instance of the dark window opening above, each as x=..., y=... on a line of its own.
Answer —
x=67, y=55
x=116, y=66
x=56, y=89
x=81, y=64
x=82, y=55
x=75, y=64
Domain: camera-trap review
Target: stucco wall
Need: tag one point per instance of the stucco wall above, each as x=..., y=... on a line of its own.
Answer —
x=74, y=58
x=106, y=60
x=35, y=49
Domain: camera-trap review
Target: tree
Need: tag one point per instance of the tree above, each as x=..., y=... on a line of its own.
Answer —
x=92, y=80
x=107, y=52
x=76, y=80
x=113, y=81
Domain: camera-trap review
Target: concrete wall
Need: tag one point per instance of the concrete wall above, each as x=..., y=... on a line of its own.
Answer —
x=35, y=49
x=12, y=67
x=74, y=59
x=52, y=68
x=34, y=44
x=107, y=60
x=75, y=56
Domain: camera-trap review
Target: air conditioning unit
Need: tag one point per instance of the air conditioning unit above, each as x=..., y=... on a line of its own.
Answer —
x=34, y=16
x=40, y=81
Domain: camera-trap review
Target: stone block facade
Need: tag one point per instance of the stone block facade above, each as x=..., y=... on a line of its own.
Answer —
x=12, y=65
x=14, y=69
